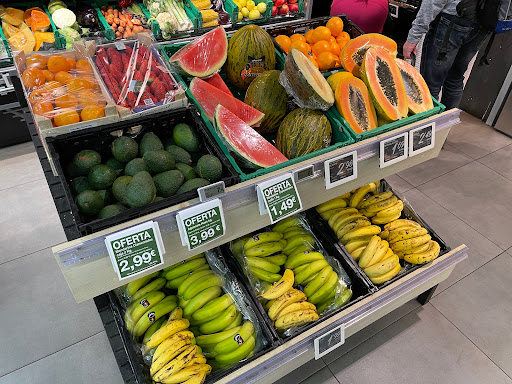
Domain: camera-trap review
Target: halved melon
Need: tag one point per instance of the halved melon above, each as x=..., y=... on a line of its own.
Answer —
x=382, y=77
x=305, y=83
x=418, y=95
x=218, y=83
x=335, y=79
x=353, y=53
x=354, y=104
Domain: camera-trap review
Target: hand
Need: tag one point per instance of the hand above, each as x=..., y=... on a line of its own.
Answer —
x=408, y=49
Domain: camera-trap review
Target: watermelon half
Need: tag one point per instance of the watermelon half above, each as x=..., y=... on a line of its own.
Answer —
x=209, y=96
x=248, y=145
x=202, y=56
x=218, y=83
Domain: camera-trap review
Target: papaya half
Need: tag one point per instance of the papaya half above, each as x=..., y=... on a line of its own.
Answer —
x=418, y=95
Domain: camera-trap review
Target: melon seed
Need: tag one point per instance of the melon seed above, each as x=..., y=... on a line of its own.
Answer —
x=386, y=81
x=411, y=87
x=358, y=107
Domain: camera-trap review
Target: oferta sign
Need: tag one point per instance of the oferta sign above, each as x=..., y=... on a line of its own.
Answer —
x=279, y=197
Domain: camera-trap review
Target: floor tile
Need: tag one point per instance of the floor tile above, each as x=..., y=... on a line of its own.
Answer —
x=39, y=314
x=89, y=361
x=478, y=196
x=449, y=159
x=421, y=348
x=480, y=306
x=454, y=232
x=500, y=161
x=476, y=139
x=398, y=184
x=29, y=221
x=302, y=373
x=323, y=376
x=19, y=164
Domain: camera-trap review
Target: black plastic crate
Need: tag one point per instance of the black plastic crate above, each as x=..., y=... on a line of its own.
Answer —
x=62, y=149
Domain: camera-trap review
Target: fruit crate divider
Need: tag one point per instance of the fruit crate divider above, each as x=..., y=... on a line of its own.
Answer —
x=6, y=61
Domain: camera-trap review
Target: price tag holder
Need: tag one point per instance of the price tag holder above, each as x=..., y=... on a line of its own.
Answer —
x=304, y=173
x=422, y=139
x=394, y=149
x=329, y=341
x=278, y=197
x=136, y=249
x=393, y=10
x=340, y=170
x=211, y=191
x=119, y=45
x=201, y=224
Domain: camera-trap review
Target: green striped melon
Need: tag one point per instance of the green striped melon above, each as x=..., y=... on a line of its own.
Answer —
x=268, y=96
x=303, y=131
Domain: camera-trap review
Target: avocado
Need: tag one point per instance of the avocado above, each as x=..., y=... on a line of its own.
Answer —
x=150, y=142
x=167, y=183
x=107, y=196
x=85, y=160
x=159, y=161
x=192, y=185
x=140, y=190
x=109, y=211
x=124, y=149
x=134, y=166
x=179, y=154
x=89, y=202
x=119, y=188
x=122, y=207
x=101, y=177
x=80, y=184
x=186, y=170
x=209, y=167
x=158, y=198
x=116, y=165
x=185, y=136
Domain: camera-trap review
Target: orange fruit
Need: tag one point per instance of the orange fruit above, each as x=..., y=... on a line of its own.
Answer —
x=296, y=37
x=43, y=108
x=320, y=33
x=48, y=75
x=58, y=63
x=39, y=95
x=321, y=46
x=92, y=112
x=66, y=100
x=326, y=60
x=342, y=39
x=71, y=62
x=335, y=48
x=335, y=25
x=52, y=86
x=66, y=116
x=63, y=77
x=301, y=46
x=309, y=35
x=77, y=85
x=36, y=61
x=32, y=78
x=83, y=66
x=89, y=97
x=93, y=83
x=284, y=42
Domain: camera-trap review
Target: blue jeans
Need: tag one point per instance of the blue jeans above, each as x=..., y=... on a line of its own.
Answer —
x=465, y=40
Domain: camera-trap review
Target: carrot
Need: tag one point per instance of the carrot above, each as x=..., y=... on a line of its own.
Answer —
x=122, y=17
x=116, y=13
x=123, y=23
x=120, y=29
x=125, y=35
x=129, y=24
x=118, y=35
x=114, y=26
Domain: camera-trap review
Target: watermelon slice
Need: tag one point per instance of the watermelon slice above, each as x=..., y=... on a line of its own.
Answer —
x=248, y=145
x=202, y=56
x=217, y=82
x=209, y=97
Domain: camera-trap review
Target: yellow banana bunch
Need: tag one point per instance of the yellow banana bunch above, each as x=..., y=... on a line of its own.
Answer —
x=291, y=309
x=382, y=208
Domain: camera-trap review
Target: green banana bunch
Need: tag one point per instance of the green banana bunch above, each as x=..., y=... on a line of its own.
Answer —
x=165, y=306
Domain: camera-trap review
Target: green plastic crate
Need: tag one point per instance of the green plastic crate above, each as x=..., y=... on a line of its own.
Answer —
x=6, y=61
x=341, y=137
x=291, y=16
x=109, y=32
x=232, y=9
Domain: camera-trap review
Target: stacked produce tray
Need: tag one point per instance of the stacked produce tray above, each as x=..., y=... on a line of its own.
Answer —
x=62, y=149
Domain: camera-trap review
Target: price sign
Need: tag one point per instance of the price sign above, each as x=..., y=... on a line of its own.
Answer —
x=119, y=45
x=329, y=341
x=304, y=173
x=211, y=191
x=135, y=249
x=279, y=197
x=341, y=169
x=422, y=139
x=201, y=224
x=394, y=149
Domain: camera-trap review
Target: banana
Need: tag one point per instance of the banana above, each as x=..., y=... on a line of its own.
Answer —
x=377, y=207
x=375, y=199
x=221, y=322
x=292, y=221
x=238, y=354
x=379, y=220
x=331, y=204
x=175, y=283
x=137, y=309
x=165, y=306
x=299, y=259
x=281, y=287
x=299, y=269
x=392, y=209
x=237, y=246
x=155, y=285
x=153, y=328
x=368, y=253
x=360, y=232
x=325, y=290
x=135, y=285
x=338, y=302
x=294, y=232
x=352, y=245
x=356, y=198
x=201, y=299
x=387, y=276
x=236, y=322
x=341, y=213
x=312, y=269
x=192, y=277
x=345, y=196
x=263, y=250
x=176, y=364
x=399, y=223
x=176, y=314
x=211, y=310
x=296, y=318
x=421, y=248
x=232, y=343
x=384, y=235
x=295, y=241
x=187, y=267
x=301, y=306
x=328, y=214
x=424, y=257
x=215, y=338
x=262, y=238
x=277, y=259
x=194, y=374
x=283, y=242
x=357, y=253
x=380, y=254
x=301, y=248
x=366, y=213
x=382, y=267
x=264, y=275
x=355, y=224
x=167, y=331
x=344, y=220
x=407, y=244
x=169, y=349
x=201, y=284
x=310, y=278
x=269, y=304
x=318, y=281
x=404, y=234
x=182, y=302
x=262, y=263
x=290, y=297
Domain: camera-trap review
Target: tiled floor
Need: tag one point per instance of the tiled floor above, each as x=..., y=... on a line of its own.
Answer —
x=464, y=335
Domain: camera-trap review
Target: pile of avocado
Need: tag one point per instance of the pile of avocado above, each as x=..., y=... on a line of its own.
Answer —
x=140, y=173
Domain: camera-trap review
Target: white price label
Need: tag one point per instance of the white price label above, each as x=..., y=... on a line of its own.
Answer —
x=422, y=139
x=210, y=191
x=329, y=341
x=278, y=197
x=305, y=173
x=340, y=170
x=394, y=149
